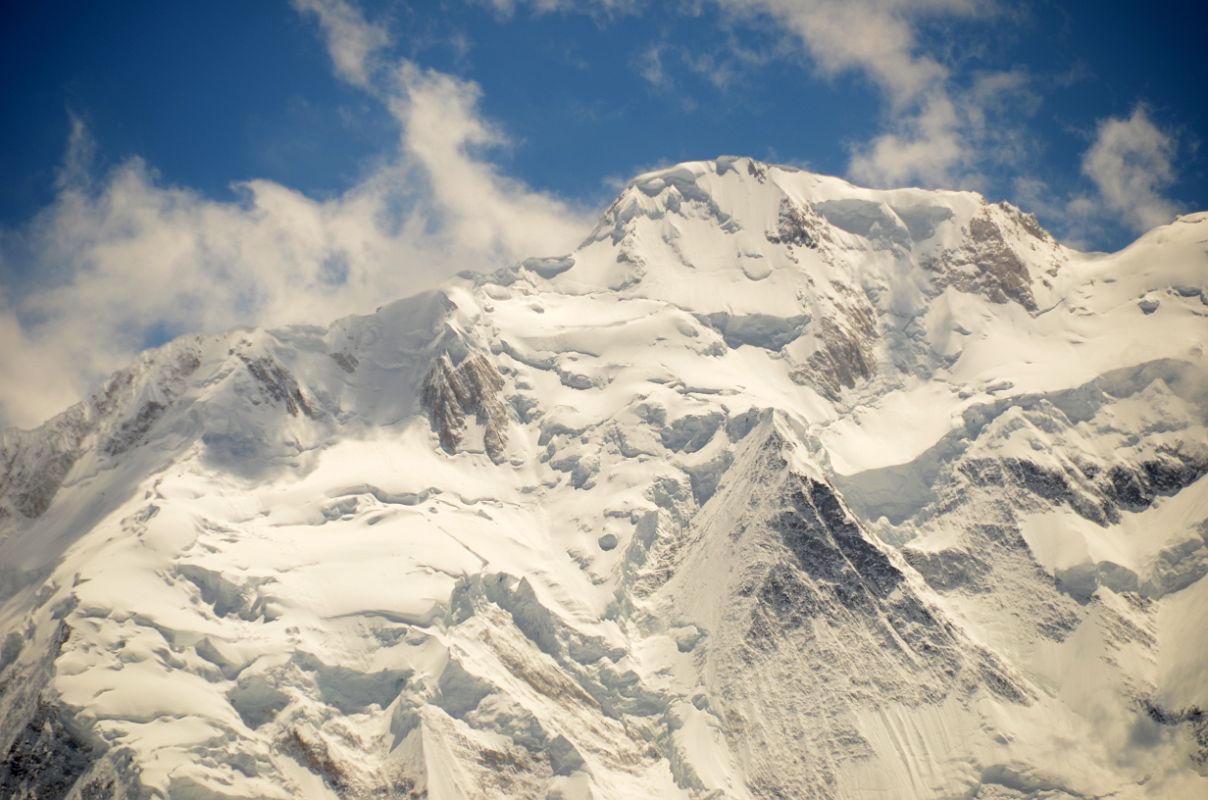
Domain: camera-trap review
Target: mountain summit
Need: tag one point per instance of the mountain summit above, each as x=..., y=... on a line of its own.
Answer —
x=775, y=487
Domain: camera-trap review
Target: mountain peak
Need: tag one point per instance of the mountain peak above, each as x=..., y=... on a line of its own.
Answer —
x=705, y=222
x=775, y=486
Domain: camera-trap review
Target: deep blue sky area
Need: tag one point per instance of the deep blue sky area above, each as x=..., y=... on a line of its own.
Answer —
x=205, y=92
x=210, y=93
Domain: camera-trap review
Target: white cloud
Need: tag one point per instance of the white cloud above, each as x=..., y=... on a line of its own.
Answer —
x=876, y=37
x=120, y=258
x=76, y=167
x=928, y=146
x=1128, y=165
x=649, y=65
x=35, y=380
x=937, y=133
x=479, y=205
x=951, y=135
x=939, y=129
x=352, y=42
x=509, y=7
x=1131, y=164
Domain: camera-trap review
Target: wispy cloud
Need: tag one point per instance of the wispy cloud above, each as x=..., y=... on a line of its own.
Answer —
x=1131, y=164
x=876, y=37
x=76, y=167
x=1128, y=164
x=649, y=64
x=477, y=204
x=595, y=7
x=927, y=146
x=352, y=41
x=936, y=130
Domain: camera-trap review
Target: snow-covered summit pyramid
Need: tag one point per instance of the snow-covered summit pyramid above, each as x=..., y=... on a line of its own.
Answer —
x=774, y=487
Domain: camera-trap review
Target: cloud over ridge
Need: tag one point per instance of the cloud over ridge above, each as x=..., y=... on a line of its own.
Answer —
x=122, y=260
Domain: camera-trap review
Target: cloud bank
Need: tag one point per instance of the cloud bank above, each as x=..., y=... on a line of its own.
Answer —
x=123, y=260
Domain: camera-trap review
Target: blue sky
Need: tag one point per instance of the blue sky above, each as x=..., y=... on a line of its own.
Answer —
x=253, y=162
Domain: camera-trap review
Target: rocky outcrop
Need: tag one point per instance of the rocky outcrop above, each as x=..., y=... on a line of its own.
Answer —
x=346, y=361
x=45, y=752
x=34, y=464
x=843, y=346
x=1094, y=493
x=795, y=226
x=471, y=388
x=45, y=760
x=843, y=358
x=278, y=385
x=984, y=264
x=1168, y=471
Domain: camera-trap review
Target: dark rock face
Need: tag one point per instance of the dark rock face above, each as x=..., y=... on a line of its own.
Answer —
x=788, y=602
x=278, y=384
x=836, y=576
x=43, y=756
x=822, y=618
x=985, y=264
x=1028, y=222
x=472, y=387
x=132, y=430
x=1039, y=481
x=992, y=560
x=30, y=481
x=793, y=227
x=34, y=464
x=844, y=357
x=1196, y=722
x=947, y=570
x=831, y=549
x=346, y=361
x=45, y=760
x=1136, y=487
x=1099, y=498
x=316, y=757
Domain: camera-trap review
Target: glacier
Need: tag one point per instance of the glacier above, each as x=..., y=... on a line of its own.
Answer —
x=775, y=487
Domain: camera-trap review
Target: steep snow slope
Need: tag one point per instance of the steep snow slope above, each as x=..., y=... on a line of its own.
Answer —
x=775, y=487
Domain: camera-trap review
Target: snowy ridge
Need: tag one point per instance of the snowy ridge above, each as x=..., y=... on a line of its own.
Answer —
x=775, y=487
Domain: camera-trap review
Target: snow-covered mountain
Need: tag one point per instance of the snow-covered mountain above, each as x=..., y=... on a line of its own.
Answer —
x=776, y=487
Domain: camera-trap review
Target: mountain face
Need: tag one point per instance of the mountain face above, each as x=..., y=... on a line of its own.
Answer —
x=776, y=487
